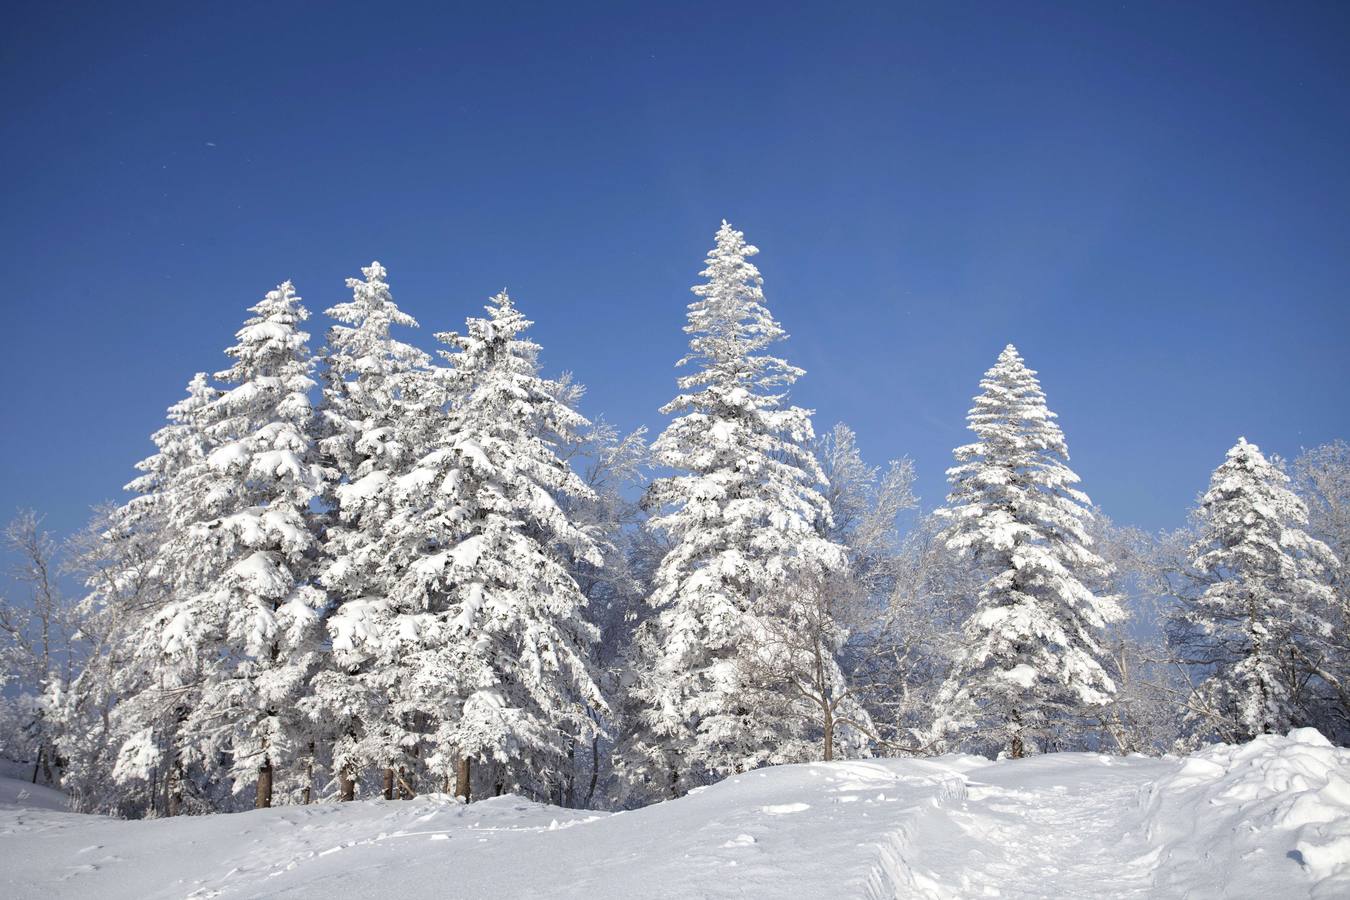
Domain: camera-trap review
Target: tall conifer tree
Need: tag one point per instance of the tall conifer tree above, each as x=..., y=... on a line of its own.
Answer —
x=1031, y=655
x=1266, y=600
x=744, y=515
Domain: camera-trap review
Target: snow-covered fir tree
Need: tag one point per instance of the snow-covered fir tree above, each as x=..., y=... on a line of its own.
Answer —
x=484, y=625
x=134, y=561
x=241, y=620
x=744, y=515
x=1032, y=655
x=380, y=403
x=1265, y=603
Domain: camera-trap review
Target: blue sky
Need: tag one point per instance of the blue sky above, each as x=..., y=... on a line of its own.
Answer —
x=1151, y=200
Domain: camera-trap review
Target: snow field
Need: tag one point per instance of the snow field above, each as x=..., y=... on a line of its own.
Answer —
x=1267, y=819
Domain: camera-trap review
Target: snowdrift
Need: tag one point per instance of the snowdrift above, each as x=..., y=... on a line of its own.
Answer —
x=1265, y=819
x=1232, y=818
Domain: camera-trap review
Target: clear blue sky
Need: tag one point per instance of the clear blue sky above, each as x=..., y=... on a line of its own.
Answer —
x=1151, y=200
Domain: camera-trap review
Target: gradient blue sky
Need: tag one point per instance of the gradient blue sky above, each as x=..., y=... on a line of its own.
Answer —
x=1151, y=200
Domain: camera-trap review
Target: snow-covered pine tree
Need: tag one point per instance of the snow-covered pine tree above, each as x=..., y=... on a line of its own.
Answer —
x=486, y=622
x=243, y=615
x=1031, y=659
x=744, y=514
x=133, y=564
x=379, y=403
x=1267, y=596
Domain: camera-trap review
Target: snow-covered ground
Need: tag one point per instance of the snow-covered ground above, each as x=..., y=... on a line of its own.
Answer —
x=1269, y=819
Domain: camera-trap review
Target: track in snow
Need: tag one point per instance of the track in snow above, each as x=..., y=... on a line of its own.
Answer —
x=1038, y=828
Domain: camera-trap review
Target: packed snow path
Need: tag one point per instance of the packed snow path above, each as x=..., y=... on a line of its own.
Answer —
x=1040, y=828
x=1262, y=820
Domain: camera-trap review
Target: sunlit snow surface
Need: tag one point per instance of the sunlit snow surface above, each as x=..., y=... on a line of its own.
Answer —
x=1266, y=819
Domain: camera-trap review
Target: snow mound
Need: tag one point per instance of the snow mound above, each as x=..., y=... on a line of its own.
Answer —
x=1250, y=818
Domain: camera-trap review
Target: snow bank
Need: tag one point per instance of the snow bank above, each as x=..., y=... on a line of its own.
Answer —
x=1254, y=819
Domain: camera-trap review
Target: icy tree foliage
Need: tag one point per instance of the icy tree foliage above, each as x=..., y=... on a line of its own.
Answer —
x=1266, y=601
x=609, y=463
x=38, y=637
x=744, y=514
x=483, y=626
x=1322, y=480
x=1032, y=651
x=864, y=504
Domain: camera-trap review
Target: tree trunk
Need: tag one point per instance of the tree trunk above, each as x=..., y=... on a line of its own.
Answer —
x=595, y=770
x=829, y=732
x=1016, y=749
x=405, y=788
x=389, y=782
x=346, y=785
x=567, y=792
x=309, y=776
x=173, y=803
x=462, y=772
x=264, y=799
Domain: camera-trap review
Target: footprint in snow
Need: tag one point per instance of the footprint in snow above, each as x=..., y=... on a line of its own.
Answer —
x=740, y=840
x=782, y=809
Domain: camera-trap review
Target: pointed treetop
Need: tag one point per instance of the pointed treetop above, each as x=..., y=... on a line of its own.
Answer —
x=729, y=240
x=1248, y=456
x=269, y=338
x=1009, y=358
x=372, y=307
